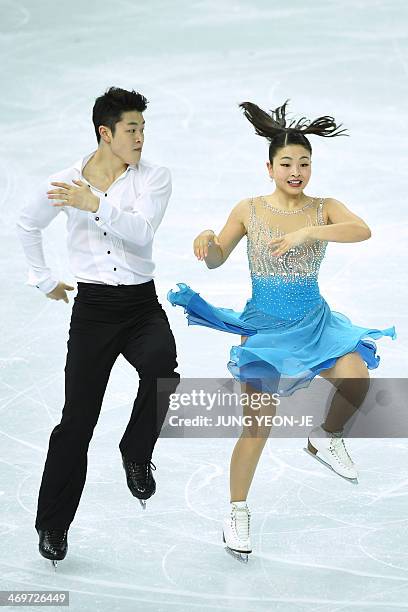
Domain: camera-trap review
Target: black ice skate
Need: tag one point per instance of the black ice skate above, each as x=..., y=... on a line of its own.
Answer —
x=140, y=479
x=53, y=544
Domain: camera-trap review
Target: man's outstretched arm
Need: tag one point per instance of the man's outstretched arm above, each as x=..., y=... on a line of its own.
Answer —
x=36, y=214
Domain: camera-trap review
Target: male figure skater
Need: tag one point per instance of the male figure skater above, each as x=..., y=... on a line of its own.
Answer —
x=114, y=202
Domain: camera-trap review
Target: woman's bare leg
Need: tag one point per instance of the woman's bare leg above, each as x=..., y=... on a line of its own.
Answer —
x=248, y=448
x=350, y=377
x=244, y=460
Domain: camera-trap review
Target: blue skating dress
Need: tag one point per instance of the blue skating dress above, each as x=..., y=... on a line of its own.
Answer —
x=291, y=332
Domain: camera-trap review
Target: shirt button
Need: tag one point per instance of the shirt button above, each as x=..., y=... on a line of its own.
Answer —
x=114, y=269
x=106, y=195
x=96, y=218
x=104, y=233
x=108, y=252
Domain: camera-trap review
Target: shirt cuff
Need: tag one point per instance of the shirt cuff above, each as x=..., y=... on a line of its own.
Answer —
x=46, y=286
x=104, y=212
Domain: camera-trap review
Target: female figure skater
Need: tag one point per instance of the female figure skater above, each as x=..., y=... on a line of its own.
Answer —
x=289, y=333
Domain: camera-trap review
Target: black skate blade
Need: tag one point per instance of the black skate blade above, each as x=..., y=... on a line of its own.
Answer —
x=323, y=462
x=54, y=563
x=143, y=503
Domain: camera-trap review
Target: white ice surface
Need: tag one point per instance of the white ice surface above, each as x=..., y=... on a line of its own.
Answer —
x=320, y=544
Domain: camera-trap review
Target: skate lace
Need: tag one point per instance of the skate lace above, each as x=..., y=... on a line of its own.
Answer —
x=56, y=536
x=240, y=518
x=338, y=448
x=140, y=470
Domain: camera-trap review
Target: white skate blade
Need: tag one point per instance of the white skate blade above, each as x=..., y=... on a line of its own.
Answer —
x=143, y=503
x=239, y=556
x=242, y=557
x=323, y=462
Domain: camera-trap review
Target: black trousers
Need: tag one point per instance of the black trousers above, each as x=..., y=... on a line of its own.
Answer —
x=106, y=321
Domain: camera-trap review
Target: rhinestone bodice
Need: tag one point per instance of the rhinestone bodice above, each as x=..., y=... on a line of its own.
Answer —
x=285, y=286
x=267, y=223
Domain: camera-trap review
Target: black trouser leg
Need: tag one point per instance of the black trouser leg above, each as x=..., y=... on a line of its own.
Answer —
x=151, y=349
x=92, y=350
x=106, y=320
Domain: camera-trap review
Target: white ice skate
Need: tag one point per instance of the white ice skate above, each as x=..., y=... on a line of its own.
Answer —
x=329, y=449
x=236, y=532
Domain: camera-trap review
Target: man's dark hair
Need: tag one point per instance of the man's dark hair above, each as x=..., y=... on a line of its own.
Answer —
x=109, y=107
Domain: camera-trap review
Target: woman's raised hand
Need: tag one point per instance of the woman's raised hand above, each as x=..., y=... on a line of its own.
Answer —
x=203, y=241
x=289, y=241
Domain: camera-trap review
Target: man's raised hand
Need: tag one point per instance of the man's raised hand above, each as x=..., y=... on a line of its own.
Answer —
x=78, y=195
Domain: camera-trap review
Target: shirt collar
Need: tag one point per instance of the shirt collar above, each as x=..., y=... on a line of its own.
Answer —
x=82, y=161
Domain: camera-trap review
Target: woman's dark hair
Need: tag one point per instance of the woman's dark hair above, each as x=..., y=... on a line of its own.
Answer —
x=109, y=107
x=274, y=127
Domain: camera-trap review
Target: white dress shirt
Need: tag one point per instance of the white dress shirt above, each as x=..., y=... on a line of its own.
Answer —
x=111, y=246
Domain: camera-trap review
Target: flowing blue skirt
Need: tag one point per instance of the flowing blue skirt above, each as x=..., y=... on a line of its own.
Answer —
x=292, y=333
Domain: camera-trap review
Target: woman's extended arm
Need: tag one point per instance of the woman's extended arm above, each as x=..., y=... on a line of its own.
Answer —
x=216, y=249
x=343, y=225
